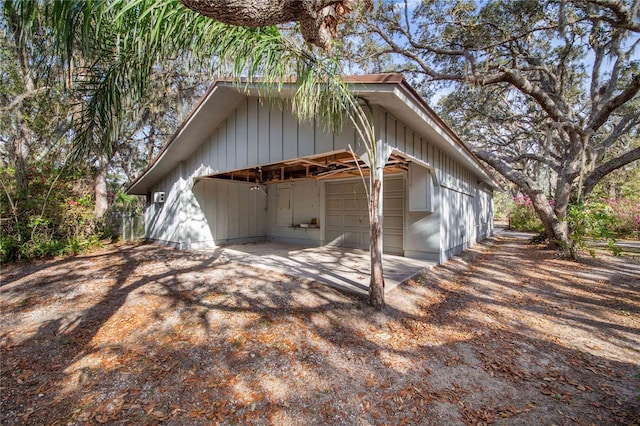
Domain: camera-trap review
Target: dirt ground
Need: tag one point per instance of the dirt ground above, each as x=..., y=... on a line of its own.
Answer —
x=506, y=334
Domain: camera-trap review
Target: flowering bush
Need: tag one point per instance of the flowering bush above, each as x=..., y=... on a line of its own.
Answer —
x=627, y=217
x=603, y=219
x=523, y=217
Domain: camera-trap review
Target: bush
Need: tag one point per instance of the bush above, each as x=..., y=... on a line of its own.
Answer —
x=603, y=220
x=56, y=219
x=502, y=205
x=9, y=249
x=593, y=220
x=523, y=217
x=627, y=217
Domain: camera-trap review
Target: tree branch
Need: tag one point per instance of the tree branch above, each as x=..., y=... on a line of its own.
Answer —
x=17, y=101
x=525, y=86
x=318, y=18
x=625, y=125
x=625, y=16
x=548, y=160
x=601, y=115
x=506, y=170
x=605, y=168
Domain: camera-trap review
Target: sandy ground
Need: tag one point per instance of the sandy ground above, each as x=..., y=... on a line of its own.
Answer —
x=506, y=334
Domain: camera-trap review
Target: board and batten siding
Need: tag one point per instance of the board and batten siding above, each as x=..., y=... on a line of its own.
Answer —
x=462, y=212
x=162, y=224
x=293, y=203
x=449, y=172
x=209, y=214
x=199, y=213
x=457, y=223
x=258, y=133
x=225, y=212
x=347, y=216
x=254, y=133
x=484, y=213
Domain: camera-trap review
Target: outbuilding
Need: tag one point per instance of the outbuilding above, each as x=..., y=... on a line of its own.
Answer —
x=241, y=168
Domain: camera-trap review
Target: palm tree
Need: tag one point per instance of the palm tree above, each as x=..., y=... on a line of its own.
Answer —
x=113, y=47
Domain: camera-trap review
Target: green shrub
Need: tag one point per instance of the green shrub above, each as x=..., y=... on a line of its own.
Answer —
x=55, y=220
x=502, y=205
x=592, y=220
x=523, y=217
x=9, y=249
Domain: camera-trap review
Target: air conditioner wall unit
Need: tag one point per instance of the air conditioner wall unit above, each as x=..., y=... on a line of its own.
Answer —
x=158, y=197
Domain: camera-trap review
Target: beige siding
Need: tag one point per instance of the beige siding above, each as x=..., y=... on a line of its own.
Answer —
x=289, y=205
x=161, y=222
x=231, y=212
x=263, y=131
x=463, y=214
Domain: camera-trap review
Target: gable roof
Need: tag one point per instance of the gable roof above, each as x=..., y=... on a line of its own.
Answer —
x=391, y=91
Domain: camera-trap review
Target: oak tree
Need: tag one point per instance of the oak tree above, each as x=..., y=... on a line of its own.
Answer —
x=546, y=91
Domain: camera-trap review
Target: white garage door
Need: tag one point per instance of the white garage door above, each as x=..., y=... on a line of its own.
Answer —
x=348, y=220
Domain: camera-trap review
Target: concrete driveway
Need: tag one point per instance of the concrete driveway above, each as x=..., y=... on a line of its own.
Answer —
x=342, y=268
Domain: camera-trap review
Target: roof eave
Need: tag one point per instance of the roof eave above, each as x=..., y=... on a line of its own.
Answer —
x=188, y=134
x=179, y=144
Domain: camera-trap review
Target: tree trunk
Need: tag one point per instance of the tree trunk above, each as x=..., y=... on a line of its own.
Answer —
x=557, y=229
x=553, y=218
x=21, y=176
x=101, y=204
x=376, y=285
x=21, y=173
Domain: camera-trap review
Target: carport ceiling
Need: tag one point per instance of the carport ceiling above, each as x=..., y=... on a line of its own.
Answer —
x=333, y=166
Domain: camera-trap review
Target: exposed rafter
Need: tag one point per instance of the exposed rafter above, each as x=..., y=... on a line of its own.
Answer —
x=334, y=166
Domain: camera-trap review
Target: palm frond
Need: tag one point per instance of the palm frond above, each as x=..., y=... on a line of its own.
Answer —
x=120, y=42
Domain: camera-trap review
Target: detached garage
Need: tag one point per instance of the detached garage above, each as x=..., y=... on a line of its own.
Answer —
x=241, y=170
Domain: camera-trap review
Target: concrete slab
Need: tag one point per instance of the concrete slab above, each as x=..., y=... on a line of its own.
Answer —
x=342, y=268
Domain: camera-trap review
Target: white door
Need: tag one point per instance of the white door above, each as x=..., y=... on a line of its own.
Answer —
x=348, y=220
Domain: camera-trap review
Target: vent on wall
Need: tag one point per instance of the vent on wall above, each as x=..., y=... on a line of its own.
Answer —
x=158, y=197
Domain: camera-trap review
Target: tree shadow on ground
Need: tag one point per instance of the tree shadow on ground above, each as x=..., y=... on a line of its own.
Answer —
x=181, y=338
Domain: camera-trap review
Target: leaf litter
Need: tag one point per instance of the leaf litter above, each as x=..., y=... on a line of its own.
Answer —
x=139, y=334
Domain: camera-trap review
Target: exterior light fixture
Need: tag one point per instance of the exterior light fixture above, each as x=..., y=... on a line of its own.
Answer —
x=258, y=188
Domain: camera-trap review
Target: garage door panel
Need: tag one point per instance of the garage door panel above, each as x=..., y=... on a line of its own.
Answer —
x=353, y=188
x=333, y=220
x=392, y=185
x=352, y=239
x=393, y=203
x=333, y=190
x=351, y=205
x=334, y=238
x=392, y=211
x=348, y=219
x=334, y=204
x=392, y=222
x=353, y=221
x=393, y=242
